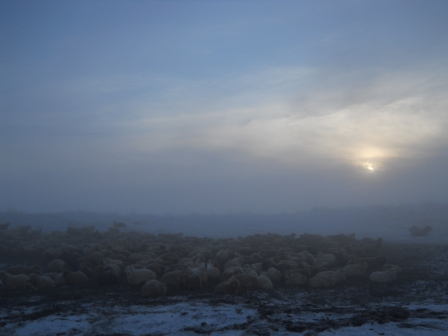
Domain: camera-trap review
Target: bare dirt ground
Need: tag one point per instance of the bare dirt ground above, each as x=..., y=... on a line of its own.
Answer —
x=417, y=300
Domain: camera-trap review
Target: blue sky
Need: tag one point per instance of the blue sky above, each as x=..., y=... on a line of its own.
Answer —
x=222, y=106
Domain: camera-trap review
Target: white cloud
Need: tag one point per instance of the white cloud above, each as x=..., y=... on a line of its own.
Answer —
x=401, y=115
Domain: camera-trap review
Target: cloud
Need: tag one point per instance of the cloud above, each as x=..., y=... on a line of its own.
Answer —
x=343, y=121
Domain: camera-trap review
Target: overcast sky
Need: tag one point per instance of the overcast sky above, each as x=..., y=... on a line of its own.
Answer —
x=222, y=106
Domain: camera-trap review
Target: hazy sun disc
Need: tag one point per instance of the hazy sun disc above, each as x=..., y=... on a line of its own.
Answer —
x=369, y=166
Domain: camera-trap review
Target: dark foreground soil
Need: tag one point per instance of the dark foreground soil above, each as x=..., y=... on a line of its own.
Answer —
x=356, y=302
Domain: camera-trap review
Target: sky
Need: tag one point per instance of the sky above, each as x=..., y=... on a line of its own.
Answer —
x=222, y=106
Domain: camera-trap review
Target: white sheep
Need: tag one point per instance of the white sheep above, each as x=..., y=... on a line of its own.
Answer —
x=247, y=281
x=274, y=274
x=56, y=265
x=202, y=275
x=230, y=287
x=60, y=280
x=358, y=269
x=15, y=281
x=75, y=278
x=295, y=279
x=326, y=259
x=139, y=276
x=229, y=272
x=327, y=278
x=264, y=281
x=172, y=278
x=41, y=282
x=389, y=274
x=154, y=288
x=108, y=261
x=212, y=272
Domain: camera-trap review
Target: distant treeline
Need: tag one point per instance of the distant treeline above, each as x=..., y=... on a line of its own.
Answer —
x=386, y=221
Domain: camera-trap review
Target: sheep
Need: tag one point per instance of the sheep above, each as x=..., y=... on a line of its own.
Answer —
x=212, y=272
x=154, y=288
x=372, y=248
x=358, y=269
x=75, y=278
x=139, y=276
x=420, y=232
x=229, y=272
x=22, y=269
x=374, y=262
x=295, y=279
x=171, y=257
x=230, y=287
x=388, y=274
x=118, y=225
x=274, y=274
x=247, y=281
x=232, y=263
x=105, y=275
x=327, y=259
x=172, y=278
x=56, y=265
x=284, y=265
x=60, y=280
x=156, y=268
x=383, y=276
x=264, y=281
x=14, y=281
x=327, y=278
x=108, y=261
x=41, y=282
x=190, y=281
x=88, y=271
x=202, y=275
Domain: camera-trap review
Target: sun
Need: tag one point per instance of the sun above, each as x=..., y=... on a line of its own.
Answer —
x=370, y=166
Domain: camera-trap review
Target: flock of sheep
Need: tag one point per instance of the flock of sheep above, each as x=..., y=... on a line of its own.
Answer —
x=155, y=263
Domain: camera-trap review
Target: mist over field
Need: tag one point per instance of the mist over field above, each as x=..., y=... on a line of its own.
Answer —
x=388, y=222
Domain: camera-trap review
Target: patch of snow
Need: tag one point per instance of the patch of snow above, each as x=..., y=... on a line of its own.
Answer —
x=53, y=325
x=412, y=327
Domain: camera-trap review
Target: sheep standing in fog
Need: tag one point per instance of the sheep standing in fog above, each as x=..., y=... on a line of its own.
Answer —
x=154, y=288
x=230, y=287
x=75, y=278
x=274, y=274
x=41, y=282
x=105, y=275
x=327, y=278
x=14, y=281
x=212, y=272
x=22, y=269
x=264, y=281
x=420, y=232
x=172, y=278
x=295, y=279
x=56, y=265
x=358, y=269
x=139, y=276
x=389, y=274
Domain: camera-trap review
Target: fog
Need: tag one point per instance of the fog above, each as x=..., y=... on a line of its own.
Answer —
x=206, y=110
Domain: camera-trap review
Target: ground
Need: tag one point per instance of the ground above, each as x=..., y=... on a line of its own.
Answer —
x=414, y=304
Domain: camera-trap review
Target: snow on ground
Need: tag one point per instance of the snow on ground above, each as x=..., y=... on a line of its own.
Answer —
x=184, y=315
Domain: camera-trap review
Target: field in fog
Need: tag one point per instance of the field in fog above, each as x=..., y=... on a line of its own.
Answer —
x=415, y=302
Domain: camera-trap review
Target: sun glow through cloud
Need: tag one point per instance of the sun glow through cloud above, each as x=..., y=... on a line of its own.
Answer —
x=182, y=106
x=367, y=134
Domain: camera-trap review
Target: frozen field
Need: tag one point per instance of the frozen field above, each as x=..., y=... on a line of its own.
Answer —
x=415, y=304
